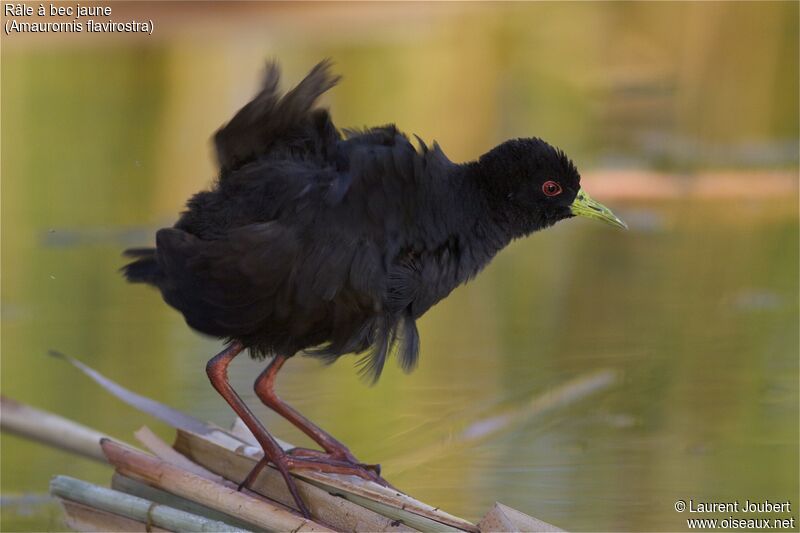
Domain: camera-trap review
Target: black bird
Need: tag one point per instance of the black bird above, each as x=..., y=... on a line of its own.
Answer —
x=329, y=242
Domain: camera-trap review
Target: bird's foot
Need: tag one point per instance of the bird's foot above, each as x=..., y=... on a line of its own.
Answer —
x=333, y=463
x=283, y=466
x=343, y=456
x=318, y=461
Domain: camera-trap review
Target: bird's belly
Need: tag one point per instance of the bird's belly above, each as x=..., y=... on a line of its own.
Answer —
x=288, y=329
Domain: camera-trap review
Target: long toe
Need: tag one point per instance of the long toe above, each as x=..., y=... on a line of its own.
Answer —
x=331, y=465
x=283, y=467
x=317, y=454
x=251, y=477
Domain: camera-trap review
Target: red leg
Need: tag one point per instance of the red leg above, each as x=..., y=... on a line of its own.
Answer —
x=217, y=370
x=338, y=459
x=265, y=389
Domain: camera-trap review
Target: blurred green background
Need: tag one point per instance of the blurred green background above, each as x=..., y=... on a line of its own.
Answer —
x=683, y=117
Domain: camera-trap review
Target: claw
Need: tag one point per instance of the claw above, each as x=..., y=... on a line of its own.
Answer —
x=375, y=468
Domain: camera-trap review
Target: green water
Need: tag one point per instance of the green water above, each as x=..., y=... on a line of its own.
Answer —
x=695, y=309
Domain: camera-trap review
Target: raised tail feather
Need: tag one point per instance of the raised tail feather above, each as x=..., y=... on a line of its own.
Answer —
x=145, y=269
x=269, y=117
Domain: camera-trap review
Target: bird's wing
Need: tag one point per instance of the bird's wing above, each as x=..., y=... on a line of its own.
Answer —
x=227, y=287
x=360, y=235
x=271, y=118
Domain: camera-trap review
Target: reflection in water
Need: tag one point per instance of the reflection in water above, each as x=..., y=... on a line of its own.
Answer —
x=695, y=308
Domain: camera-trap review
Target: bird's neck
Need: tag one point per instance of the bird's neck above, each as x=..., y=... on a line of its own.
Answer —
x=472, y=218
x=496, y=216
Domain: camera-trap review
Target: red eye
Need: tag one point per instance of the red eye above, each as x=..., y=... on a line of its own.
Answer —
x=551, y=188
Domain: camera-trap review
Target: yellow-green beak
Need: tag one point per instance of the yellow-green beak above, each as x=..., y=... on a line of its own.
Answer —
x=584, y=206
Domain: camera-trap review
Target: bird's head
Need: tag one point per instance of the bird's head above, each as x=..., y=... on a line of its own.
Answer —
x=531, y=185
